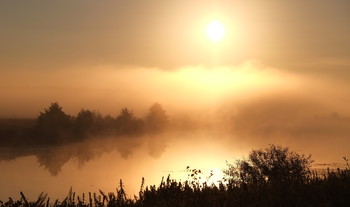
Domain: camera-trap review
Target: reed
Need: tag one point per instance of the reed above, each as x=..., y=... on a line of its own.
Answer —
x=331, y=188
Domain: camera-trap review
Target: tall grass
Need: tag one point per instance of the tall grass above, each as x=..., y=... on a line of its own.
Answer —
x=331, y=188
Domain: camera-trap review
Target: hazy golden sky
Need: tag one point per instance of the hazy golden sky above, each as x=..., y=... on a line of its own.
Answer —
x=78, y=52
x=281, y=75
x=50, y=35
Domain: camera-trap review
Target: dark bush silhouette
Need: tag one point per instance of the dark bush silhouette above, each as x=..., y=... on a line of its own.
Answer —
x=16, y=132
x=157, y=119
x=274, y=164
x=54, y=129
x=53, y=125
x=85, y=124
x=329, y=189
x=127, y=123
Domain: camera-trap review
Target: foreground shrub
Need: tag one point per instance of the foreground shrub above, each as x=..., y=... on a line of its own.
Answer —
x=273, y=176
x=273, y=165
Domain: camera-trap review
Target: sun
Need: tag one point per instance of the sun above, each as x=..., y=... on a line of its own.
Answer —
x=215, y=31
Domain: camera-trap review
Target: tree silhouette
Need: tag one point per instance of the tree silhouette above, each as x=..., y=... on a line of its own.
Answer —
x=53, y=124
x=127, y=123
x=274, y=164
x=125, y=115
x=85, y=123
x=157, y=119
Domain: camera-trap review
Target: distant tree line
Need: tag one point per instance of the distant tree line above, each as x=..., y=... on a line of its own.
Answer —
x=54, y=127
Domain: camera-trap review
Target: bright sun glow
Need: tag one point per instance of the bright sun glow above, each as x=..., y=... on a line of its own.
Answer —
x=215, y=31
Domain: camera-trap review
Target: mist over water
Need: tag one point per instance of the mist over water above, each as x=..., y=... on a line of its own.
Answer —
x=99, y=163
x=95, y=92
x=214, y=115
x=90, y=167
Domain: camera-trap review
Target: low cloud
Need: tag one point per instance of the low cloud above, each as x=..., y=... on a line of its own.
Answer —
x=247, y=103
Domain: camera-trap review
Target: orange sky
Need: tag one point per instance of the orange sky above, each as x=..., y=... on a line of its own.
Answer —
x=280, y=75
x=105, y=56
x=290, y=34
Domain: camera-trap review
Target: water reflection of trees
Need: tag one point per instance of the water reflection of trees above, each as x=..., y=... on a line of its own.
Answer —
x=56, y=137
x=274, y=176
x=53, y=158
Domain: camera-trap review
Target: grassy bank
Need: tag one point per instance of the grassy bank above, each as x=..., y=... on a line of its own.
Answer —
x=270, y=177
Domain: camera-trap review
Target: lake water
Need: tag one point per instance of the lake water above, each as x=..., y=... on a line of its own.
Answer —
x=88, y=167
x=102, y=168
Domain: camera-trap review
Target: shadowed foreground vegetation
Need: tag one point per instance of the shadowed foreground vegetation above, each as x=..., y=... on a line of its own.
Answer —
x=273, y=176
